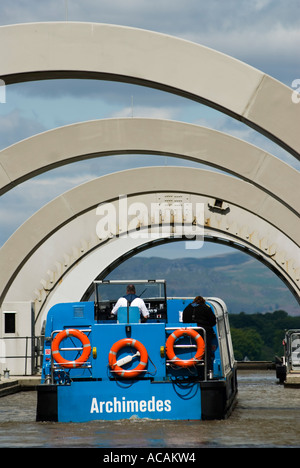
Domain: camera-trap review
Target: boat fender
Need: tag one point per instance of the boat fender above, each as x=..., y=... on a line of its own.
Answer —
x=170, y=347
x=116, y=365
x=86, y=345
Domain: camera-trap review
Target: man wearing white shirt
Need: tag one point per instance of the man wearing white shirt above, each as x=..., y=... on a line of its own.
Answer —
x=133, y=300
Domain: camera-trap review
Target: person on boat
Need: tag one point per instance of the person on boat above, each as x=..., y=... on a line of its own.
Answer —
x=133, y=301
x=199, y=312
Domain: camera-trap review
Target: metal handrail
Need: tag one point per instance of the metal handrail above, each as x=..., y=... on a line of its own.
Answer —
x=188, y=346
x=33, y=353
x=56, y=366
x=88, y=330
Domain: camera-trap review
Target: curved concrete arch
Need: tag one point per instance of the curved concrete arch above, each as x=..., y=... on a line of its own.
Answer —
x=41, y=276
x=64, y=145
x=109, y=256
x=102, y=51
x=31, y=235
x=210, y=235
x=78, y=255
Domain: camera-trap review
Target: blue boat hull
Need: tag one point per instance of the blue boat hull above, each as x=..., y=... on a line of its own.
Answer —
x=161, y=390
x=83, y=401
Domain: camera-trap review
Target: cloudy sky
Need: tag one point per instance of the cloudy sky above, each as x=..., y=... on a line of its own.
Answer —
x=262, y=33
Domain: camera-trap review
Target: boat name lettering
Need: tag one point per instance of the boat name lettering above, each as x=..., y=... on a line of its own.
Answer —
x=129, y=406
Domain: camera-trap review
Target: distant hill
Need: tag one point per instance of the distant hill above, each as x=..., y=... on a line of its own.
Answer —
x=245, y=284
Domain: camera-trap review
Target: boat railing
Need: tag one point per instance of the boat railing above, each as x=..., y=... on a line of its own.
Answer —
x=202, y=362
x=55, y=366
x=23, y=353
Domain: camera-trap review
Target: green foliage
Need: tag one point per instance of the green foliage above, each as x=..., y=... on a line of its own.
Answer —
x=247, y=343
x=259, y=336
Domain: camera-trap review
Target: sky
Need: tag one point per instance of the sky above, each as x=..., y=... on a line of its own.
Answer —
x=263, y=33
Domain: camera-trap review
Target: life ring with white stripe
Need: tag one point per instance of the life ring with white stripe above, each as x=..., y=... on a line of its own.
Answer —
x=170, y=347
x=86, y=345
x=116, y=365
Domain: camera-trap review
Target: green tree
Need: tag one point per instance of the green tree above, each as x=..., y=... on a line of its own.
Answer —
x=246, y=343
x=269, y=329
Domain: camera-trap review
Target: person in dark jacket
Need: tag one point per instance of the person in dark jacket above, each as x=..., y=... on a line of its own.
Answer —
x=199, y=312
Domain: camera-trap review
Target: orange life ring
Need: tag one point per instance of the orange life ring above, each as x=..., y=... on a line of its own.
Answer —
x=112, y=358
x=170, y=347
x=85, y=344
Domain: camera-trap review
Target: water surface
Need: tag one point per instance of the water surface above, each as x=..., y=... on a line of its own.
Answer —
x=266, y=415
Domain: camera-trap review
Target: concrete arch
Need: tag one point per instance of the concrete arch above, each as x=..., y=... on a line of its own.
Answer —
x=67, y=262
x=79, y=237
x=106, y=256
x=101, y=51
x=138, y=182
x=96, y=138
x=73, y=288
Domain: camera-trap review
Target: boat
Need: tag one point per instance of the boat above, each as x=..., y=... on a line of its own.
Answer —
x=288, y=366
x=102, y=367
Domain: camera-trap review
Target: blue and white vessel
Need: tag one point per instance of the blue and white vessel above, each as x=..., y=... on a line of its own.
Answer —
x=288, y=367
x=99, y=367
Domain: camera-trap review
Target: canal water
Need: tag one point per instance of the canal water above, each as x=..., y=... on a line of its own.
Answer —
x=267, y=415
